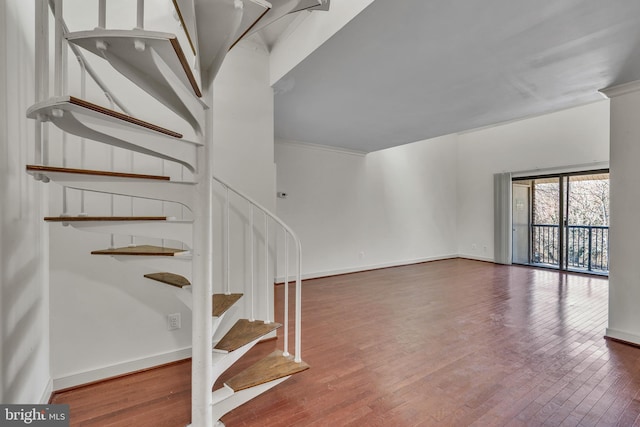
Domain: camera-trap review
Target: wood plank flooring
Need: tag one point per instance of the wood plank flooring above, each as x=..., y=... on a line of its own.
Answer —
x=446, y=343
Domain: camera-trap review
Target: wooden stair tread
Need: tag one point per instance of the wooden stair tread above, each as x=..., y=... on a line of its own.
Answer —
x=40, y=168
x=121, y=116
x=169, y=279
x=223, y=302
x=271, y=368
x=103, y=218
x=243, y=332
x=141, y=250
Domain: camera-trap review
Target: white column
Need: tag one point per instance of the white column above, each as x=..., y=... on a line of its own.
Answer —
x=201, y=370
x=624, y=233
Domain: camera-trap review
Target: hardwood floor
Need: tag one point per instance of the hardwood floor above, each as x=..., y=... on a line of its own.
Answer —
x=446, y=343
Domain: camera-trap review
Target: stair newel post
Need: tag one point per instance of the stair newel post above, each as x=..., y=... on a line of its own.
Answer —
x=202, y=330
x=286, y=293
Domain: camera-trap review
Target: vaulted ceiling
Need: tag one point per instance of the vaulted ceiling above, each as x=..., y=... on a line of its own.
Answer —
x=407, y=70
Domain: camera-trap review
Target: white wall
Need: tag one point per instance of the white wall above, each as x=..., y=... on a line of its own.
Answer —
x=354, y=212
x=426, y=200
x=24, y=297
x=624, y=292
x=578, y=136
x=107, y=319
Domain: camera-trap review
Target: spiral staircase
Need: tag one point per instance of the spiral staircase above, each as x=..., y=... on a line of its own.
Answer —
x=156, y=62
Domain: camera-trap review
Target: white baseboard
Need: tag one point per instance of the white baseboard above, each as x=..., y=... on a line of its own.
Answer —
x=129, y=366
x=46, y=394
x=623, y=336
x=475, y=257
x=361, y=268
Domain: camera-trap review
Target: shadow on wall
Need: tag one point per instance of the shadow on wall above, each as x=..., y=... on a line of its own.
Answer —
x=22, y=310
x=24, y=356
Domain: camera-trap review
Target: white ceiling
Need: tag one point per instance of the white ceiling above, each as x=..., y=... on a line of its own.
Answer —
x=408, y=70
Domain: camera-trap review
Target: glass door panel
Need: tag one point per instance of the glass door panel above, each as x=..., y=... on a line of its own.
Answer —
x=521, y=222
x=587, y=223
x=545, y=227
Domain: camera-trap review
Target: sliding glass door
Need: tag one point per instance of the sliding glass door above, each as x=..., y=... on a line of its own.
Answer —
x=587, y=223
x=562, y=221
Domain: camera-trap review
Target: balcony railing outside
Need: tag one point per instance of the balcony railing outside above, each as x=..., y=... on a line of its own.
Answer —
x=587, y=246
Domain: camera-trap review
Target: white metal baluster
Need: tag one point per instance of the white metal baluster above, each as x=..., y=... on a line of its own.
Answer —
x=163, y=203
x=58, y=55
x=227, y=242
x=65, y=190
x=65, y=204
x=298, y=356
x=62, y=88
x=83, y=143
x=45, y=147
x=102, y=14
x=286, y=293
x=140, y=15
x=132, y=239
x=181, y=205
x=37, y=152
x=266, y=265
x=111, y=168
x=41, y=74
x=65, y=60
x=253, y=266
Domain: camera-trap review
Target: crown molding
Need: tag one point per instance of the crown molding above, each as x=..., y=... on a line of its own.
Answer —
x=320, y=147
x=622, y=89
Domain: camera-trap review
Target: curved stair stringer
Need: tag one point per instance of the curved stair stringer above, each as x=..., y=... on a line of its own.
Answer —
x=154, y=62
x=179, y=264
x=281, y=8
x=253, y=381
x=180, y=231
x=100, y=124
x=223, y=360
x=170, y=191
